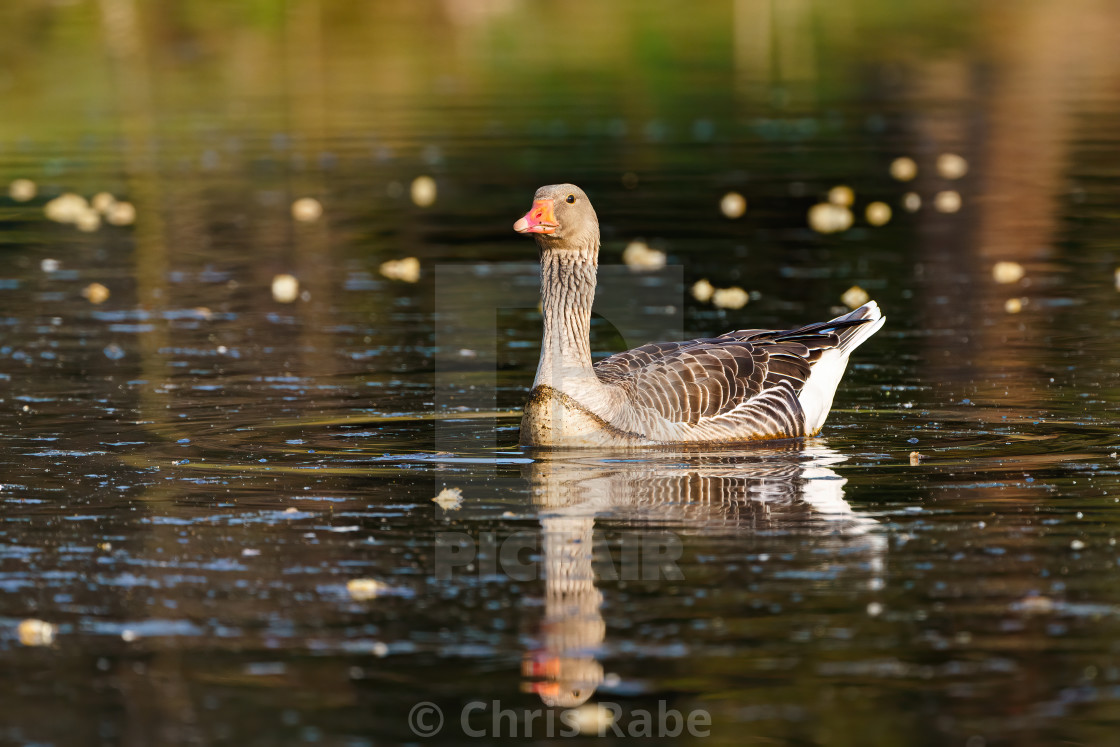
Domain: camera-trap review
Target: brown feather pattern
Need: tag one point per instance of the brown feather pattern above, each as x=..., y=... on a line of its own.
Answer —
x=705, y=379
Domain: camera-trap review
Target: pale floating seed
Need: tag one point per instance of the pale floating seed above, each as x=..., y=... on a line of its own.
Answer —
x=96, y=293
x=50, y=265
x=730, y=298
x=88, y=221
x=1035, y=605
x=103, y=202
x=638, y=256
x=66, y=208
x=34, y=632
x=904, y=169
x=841, y=195
x=855, y=297
x=1007, y=272
x=121, y=214
x=826, y=217
x=702, y=290
x=285, y=288
x=449, y=499
x=878, y=213
x=22, y=190
x=1013, y=305
x=406, y=270
x=423, y=191
x=951, y=166
x=911, y=202
x=307, y=210
x=947, y=201
x=733, y=205
x=591, y=718
x=364, y=589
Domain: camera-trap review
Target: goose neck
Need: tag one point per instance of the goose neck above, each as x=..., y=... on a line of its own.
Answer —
x=567, y=294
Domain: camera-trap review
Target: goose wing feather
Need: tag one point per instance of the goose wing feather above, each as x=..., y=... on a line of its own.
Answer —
x=686, y=382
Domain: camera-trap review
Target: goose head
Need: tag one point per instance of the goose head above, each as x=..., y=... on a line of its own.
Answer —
x=561, y=218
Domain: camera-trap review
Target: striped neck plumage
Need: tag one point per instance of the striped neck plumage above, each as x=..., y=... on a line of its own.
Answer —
x=567, y=293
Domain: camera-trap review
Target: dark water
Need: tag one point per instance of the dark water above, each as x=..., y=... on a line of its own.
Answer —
x=194, y=474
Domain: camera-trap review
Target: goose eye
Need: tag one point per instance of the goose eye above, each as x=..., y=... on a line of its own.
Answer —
x=571, y=199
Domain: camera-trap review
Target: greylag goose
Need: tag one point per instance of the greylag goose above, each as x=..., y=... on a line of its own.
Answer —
x=747, y=385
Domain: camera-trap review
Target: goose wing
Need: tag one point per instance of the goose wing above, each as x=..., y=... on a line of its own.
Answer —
x=686, y=382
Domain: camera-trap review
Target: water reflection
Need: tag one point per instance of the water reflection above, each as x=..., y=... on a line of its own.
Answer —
x=793, y=490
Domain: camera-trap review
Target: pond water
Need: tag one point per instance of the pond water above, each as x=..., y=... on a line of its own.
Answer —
x=216, y=485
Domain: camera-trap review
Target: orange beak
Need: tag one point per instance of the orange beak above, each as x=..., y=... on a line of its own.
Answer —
x=538, y=220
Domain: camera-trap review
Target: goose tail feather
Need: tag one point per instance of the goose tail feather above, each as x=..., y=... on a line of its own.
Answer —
x=853, y=329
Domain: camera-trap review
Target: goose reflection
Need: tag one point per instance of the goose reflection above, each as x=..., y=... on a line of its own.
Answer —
x=793, y=489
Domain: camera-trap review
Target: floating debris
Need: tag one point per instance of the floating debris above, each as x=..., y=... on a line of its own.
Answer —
x=827, y=217
x=307, y=210
x=1077, y=545
x=103, y=202
x=855, y=297
x=406, y=270
x=904, y=169
x=449, y=499
x=638, y=256
x=842, y=196
x=1007, y=272
x=911, y=202
x=951, y=166
x=364, y=589
x=1014, y=305
x=22, y=190
x=702, y=290
x=730, y=298
x=1035, y=605
x=916, y=458
x=34, y=632
x=129, y=636
x=947, y=201
x=66, y=208
x=88, y=220
x=121, y=214
x=591, y=718
x=874, y=609
x=878, y=213
x=285, y=288
x=50, y=265
x=95, y=293
x=733, y=205
x=423, y=191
